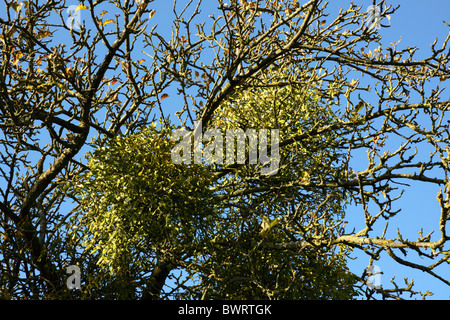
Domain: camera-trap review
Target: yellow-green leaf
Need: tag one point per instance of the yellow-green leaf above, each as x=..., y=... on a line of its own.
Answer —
x=358, y=107
x=274, y=223
x=265, y=224
x=16, y=6
x=107, y=21
x=43, y=34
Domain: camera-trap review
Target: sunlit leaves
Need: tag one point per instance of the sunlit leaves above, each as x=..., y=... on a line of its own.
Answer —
x=267, y=224
x=43, y=34
x=282, y=98
x=294, y=108
x=358, y=108
x=136, y=207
